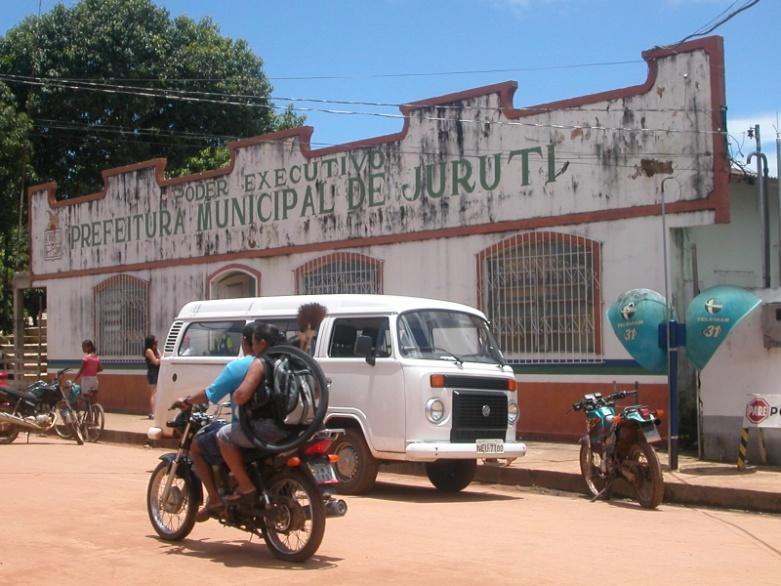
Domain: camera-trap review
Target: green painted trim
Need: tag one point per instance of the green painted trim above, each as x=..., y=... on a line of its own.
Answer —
x=75, y=364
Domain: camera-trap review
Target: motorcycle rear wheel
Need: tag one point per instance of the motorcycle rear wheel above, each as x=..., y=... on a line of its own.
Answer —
x=590, y=468
x=295, y=524
x=173, y=519
x=648, y=483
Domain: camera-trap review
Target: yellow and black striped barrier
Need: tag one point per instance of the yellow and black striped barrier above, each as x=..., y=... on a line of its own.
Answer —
x=743, y=449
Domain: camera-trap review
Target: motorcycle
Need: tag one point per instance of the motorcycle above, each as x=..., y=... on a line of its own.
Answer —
x=618, y=445
x=39, y=408
x=292, y=478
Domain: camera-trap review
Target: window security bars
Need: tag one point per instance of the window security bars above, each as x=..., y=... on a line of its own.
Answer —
x=122, y=316
x=541, y=292
x=341, y=272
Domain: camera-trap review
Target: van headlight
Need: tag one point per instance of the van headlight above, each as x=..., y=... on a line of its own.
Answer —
x=512, y=412
x=435, y=410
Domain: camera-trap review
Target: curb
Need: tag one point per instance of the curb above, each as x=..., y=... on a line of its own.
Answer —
x=112, y=436
x=674, y=492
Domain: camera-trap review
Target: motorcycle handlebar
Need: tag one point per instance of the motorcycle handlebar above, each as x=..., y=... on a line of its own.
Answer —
x=611, y=398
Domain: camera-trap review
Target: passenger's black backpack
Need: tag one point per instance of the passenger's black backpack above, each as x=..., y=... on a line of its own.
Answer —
x=285, y=394
x=293, y=396
x=291, y=393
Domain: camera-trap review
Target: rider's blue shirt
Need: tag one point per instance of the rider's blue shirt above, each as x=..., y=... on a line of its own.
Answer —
x=229, y=380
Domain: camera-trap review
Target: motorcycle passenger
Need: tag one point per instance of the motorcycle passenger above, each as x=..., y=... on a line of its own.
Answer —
x=232, y=439
x=204, y=450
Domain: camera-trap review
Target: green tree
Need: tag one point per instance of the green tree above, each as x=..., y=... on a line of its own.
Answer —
x=15, y=151
x=112, y=82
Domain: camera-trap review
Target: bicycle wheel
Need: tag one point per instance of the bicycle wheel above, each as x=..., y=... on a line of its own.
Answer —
x=61, y=427
x=94, y=421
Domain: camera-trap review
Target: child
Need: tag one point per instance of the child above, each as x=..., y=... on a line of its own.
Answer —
x=90, y=367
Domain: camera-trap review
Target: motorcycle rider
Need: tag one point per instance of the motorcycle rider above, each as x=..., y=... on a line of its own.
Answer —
x=232, y=439
x=204, y=450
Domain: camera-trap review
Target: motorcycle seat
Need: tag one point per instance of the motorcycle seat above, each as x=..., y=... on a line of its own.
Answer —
x=27, y=396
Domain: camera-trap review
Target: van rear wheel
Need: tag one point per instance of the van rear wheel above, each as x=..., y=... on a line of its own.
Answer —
x=451, y=475
x=356, y=468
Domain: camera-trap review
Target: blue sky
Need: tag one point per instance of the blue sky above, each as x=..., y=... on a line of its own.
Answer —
x=396, y=51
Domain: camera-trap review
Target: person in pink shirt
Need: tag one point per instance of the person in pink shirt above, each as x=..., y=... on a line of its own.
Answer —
x=90, y=367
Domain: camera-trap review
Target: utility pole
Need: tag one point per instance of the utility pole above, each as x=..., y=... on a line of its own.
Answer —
x=778, y=183
x=764, y=223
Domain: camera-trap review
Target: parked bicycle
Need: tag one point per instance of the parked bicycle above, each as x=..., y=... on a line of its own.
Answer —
x=68, y=423
x=91, y=415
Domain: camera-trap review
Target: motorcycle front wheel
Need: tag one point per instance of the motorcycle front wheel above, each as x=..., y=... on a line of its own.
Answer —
x=591, y=468
x=295, y=523
x=8, y=432
x=647, y=472
x=172, y=517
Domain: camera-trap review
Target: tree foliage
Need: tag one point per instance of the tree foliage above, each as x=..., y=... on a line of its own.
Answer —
x=15, y=152
x=106, y=83
x=83, y=74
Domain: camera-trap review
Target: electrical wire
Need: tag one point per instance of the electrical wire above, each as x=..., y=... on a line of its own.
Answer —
x=172, y=93
x=721, y=21
x=249, y=104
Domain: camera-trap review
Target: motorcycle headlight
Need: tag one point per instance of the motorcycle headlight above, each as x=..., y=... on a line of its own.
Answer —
x=435, y=410
x=512, y=412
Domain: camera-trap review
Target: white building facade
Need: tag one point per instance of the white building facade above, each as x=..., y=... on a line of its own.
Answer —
x=539, y=216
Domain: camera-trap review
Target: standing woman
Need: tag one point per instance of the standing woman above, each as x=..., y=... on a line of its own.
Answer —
x=152, y=357
x=90, y=367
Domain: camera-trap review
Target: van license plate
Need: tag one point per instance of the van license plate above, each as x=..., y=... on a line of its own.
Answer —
x=490, y=446
x=323, y=472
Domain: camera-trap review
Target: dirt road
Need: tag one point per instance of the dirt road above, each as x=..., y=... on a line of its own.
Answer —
x=76, y=515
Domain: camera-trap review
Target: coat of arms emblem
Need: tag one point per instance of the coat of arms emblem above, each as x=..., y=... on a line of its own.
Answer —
x=52, y=238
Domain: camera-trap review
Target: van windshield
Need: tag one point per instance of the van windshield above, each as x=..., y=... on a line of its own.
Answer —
x=447, y=335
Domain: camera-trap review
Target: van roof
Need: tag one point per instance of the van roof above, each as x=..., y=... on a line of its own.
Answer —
x=288, y=305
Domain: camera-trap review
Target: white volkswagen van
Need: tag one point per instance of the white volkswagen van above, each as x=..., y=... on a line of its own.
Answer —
x=412, y=379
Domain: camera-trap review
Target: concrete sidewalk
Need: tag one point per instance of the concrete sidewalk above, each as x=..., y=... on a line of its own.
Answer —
x=555, y=466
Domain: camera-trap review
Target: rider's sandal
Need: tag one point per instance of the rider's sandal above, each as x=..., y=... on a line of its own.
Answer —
x=237, y=497
x=208, y=509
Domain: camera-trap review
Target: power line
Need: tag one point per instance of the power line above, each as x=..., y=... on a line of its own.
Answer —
x=171, y=93
x=721, y=21
x=249, y=104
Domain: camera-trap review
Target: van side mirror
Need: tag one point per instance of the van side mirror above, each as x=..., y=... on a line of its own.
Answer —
x=363, y=347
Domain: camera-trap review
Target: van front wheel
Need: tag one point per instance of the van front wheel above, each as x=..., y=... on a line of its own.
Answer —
x=356, y=468
x=451, y=475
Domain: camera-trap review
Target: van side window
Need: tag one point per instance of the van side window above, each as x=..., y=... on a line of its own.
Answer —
x=211, y=338
x=346, y=331
x=286, y=325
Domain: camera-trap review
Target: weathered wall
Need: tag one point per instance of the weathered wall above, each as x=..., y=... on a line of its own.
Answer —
x=466, y=171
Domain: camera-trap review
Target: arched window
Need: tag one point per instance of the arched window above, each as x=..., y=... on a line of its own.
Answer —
x=121, y=315
x=234, y=281
x=340, y=272
x=541, y=292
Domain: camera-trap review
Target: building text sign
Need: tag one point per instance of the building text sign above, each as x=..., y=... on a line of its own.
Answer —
x=463, y=162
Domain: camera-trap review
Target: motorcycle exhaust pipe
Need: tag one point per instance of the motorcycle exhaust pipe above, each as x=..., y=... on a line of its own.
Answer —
x=335, y=508
x=28, y=423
